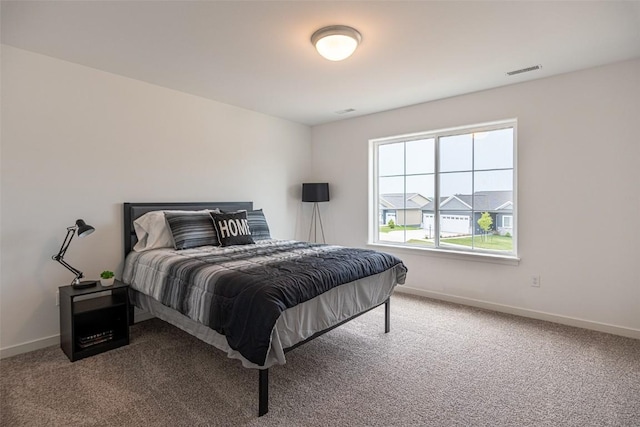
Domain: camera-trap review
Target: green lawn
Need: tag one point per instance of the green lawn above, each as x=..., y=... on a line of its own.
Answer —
x=494, y=242
x=386, y=228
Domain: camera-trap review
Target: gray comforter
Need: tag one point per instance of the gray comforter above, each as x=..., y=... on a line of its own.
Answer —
x=240, y=291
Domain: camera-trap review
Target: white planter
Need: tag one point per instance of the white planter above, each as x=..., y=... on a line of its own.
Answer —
x=107, y=282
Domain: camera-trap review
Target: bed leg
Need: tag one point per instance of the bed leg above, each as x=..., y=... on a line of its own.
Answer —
x=131, y=299
x=263, y=392
x=131, y=314
x=387, y=315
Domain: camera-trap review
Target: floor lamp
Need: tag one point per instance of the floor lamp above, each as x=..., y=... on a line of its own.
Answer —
x=315, y=192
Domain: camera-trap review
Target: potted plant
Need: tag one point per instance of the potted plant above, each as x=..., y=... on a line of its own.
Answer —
x=106, y=278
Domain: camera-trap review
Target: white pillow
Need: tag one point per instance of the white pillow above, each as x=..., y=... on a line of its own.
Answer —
x=153, y=231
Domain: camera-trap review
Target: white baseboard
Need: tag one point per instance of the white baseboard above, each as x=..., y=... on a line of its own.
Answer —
x=14, y=350
x=29, y=346
x=524, y=312
x=141, y=316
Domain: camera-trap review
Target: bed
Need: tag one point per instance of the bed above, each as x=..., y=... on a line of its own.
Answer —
x=251, y=296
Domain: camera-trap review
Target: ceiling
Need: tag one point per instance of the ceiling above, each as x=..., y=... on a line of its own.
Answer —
x=257, y=54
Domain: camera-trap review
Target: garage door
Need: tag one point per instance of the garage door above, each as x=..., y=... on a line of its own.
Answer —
x=449, y=224
x=455, y=224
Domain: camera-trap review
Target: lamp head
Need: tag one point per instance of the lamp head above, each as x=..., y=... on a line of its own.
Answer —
x=84, y=229
x=315, y=192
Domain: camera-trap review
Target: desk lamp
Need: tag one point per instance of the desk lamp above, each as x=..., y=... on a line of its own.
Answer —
x=83, y=229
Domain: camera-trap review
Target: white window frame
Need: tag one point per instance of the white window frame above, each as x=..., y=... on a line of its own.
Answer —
x=470, y=253
x=510, y=220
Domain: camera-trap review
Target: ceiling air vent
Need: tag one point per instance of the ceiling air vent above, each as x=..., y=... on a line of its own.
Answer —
x=347, y=111
x=524, y=70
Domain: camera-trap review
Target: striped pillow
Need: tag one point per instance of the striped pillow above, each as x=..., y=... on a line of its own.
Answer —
x=258, y=225
x=190, y=230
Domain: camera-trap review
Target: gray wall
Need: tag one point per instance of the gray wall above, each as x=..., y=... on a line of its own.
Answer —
x=77, y=143
x=578, y=156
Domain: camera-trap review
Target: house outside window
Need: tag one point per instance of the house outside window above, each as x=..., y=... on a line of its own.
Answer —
x=451, y=190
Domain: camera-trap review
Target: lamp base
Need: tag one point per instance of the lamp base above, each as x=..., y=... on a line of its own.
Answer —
x=85, y=284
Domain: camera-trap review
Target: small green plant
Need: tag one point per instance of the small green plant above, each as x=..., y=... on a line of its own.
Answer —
x=507, y=234
x=107, y=274
x=391, y=224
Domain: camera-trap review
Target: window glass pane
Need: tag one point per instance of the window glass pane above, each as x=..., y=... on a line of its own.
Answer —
x=493, y=149
x=420, y=195
x=455, y=183
x=391, y=159
x=489, y=234
x=492, y=200
x=428, y=228
x=455, y=217
x=501, y=180
x=456, y=229
x=391, y=185
x=423, y=186
x=456, y=153
x=391, y=200
x=420, y=156
x=392, y=228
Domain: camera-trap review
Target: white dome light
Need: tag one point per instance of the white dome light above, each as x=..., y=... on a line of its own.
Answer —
x=336, y=42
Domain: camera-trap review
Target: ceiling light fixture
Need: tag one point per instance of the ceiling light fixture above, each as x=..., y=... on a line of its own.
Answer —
x=336, y=42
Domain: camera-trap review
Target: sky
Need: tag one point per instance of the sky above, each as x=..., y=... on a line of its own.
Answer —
x=489, y=153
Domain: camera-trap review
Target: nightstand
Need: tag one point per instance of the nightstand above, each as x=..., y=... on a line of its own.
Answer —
x=93, y=320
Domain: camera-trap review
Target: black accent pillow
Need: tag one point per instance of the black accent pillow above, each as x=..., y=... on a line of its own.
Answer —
x=258, y=225
x=232, y=228
x=190, y=230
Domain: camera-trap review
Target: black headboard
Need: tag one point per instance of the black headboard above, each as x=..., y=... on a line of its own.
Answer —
x=132, y=211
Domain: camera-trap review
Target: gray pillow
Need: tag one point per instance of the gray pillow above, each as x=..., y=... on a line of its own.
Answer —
x=258, y=225
x=190, y=230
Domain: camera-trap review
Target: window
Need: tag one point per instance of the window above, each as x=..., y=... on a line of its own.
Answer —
x=451, y=189
x=507, y=220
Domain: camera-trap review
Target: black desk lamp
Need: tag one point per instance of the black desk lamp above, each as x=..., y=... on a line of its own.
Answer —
x=315, y=192
x=83, y=229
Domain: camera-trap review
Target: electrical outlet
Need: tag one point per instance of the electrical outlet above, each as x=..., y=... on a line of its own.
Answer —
x=57, y=298
x=535, y=281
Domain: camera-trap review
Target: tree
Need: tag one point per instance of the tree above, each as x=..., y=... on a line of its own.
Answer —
x=485, y=222
x=391, y=224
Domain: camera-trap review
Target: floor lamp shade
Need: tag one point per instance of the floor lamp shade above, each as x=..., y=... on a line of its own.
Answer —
x=315, y=192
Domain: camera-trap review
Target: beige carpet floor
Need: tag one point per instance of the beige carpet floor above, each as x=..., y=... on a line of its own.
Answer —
x=441, y=365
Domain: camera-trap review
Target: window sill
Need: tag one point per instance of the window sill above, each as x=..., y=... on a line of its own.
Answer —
x=459, y=255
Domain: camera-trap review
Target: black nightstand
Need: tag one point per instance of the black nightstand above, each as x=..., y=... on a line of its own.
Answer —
x=93, y=320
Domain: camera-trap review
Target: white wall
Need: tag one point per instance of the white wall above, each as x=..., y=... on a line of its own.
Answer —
x=579, y=196
x=77, y=143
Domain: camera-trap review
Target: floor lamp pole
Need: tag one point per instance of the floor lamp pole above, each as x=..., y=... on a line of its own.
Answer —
x=315, y=217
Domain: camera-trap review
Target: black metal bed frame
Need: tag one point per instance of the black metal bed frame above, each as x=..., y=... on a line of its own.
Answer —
x=263, y=378
x=134, y=210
